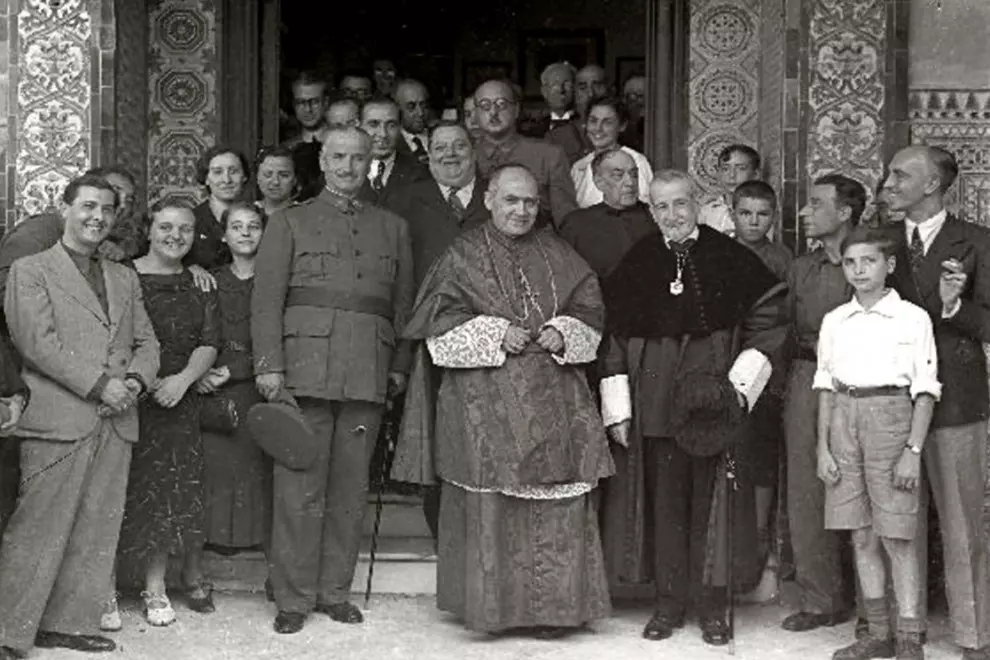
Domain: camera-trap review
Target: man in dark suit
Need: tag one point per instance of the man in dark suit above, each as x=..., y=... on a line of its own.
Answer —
x=943, y=265
x=437, y=211
x=389, y=170
x=414, y=107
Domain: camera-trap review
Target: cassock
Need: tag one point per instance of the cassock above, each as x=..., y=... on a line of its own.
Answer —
x=602, y=234
x=678, y=318
x=518, y=441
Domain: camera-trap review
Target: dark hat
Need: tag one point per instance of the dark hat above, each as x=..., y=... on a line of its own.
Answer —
x=282, y=432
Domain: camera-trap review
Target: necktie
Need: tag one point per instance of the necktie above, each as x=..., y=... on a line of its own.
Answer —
x=456, y=203
x=378, y=168
x=916, y=251
x=418, y=148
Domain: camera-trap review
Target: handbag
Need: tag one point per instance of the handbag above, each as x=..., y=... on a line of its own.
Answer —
x=218, y=414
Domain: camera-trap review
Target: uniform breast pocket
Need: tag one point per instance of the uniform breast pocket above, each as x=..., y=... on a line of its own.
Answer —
x=317, y=261
x=387, y=266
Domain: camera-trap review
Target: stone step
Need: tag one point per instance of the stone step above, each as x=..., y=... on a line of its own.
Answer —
x=403, y=566
x=402, y=517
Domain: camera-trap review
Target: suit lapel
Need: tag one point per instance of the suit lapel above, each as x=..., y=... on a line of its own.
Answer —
x=72, y=282
x=116, y=295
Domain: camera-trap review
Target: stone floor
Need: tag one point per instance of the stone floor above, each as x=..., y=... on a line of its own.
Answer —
x=410, y=628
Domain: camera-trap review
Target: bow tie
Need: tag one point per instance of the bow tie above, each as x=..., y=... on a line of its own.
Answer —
x=682, y=247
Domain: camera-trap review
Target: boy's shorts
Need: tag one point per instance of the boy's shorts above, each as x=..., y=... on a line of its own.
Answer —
x=867, y=437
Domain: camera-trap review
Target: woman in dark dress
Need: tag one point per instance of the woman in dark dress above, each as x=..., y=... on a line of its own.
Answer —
x=224, y=173
x=165, y=513
x=238, y=474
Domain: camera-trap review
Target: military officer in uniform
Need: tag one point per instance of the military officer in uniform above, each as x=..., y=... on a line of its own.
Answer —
x=333, y=288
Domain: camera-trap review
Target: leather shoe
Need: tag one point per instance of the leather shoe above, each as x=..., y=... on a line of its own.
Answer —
x=863, y=629
x=289, y=623
x=341, y=612
x=84, y=643
x=805, y=621
x=7, y=653
x=661, y=626
x=715, y=631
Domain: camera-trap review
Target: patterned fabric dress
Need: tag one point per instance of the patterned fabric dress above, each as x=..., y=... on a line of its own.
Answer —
x=164, y=511
x=238, y=473
x=519, y=444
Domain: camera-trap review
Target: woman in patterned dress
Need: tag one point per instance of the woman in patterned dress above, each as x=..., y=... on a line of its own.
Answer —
x=164, y=514
x=238, y=474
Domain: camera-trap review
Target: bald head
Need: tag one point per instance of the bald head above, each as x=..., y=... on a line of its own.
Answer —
x=414, y=104
x=918, y=179
x=513, y=197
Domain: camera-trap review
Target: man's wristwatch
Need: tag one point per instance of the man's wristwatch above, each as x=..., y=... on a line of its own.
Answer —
x=912, y=448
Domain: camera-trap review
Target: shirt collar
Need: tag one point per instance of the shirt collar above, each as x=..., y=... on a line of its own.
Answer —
x=410, y=136
x=692, y=236
x=467, y=190
x=561, y=117
x=886, y=306
x=929, y=226
x=76, y=254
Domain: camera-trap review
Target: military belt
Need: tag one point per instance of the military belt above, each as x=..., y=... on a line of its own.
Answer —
x=314, y=296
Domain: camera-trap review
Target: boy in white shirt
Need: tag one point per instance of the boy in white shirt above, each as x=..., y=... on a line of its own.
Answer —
x=877, y=380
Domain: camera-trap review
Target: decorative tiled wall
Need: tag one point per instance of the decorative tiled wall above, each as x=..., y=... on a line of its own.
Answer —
x=724, y=65
x=847, y=42
x=958, y=120
x=182, y=90
x=60, y=96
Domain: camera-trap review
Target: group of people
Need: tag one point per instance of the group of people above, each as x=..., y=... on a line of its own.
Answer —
x=601, y=374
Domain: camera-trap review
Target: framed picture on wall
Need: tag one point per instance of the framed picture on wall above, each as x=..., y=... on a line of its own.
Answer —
x=539, y=48
x=476, y=73
x=626, y=68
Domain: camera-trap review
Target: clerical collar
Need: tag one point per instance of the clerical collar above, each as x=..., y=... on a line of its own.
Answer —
x=693, y=236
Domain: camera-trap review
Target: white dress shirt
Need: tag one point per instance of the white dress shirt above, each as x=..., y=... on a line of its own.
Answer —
x=890, y=344
x=588, y=193
x=377, y=165
x=409, y=137
x=465, y=193
x=928, y=229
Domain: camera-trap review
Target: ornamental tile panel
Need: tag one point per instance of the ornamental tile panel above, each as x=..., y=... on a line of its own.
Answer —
x=182, y=89
x=53, y=100
x=724, y=65
x=846, y=125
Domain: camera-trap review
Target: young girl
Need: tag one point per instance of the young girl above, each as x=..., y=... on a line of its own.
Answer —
x=165, y=512
x=238, y=474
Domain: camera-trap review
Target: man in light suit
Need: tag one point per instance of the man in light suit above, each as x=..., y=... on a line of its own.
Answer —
x=89, y=352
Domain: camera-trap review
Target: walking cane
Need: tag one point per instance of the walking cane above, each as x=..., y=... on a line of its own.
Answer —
x=730, y=501
x=389, y=428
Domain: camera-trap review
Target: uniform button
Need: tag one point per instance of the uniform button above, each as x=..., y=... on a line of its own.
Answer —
x=357, y=253
x=355, y=232
x=359, y=276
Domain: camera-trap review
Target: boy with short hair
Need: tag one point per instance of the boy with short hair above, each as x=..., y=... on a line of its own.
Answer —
x=877, y=380
x=754, y=213
x=737, y=164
